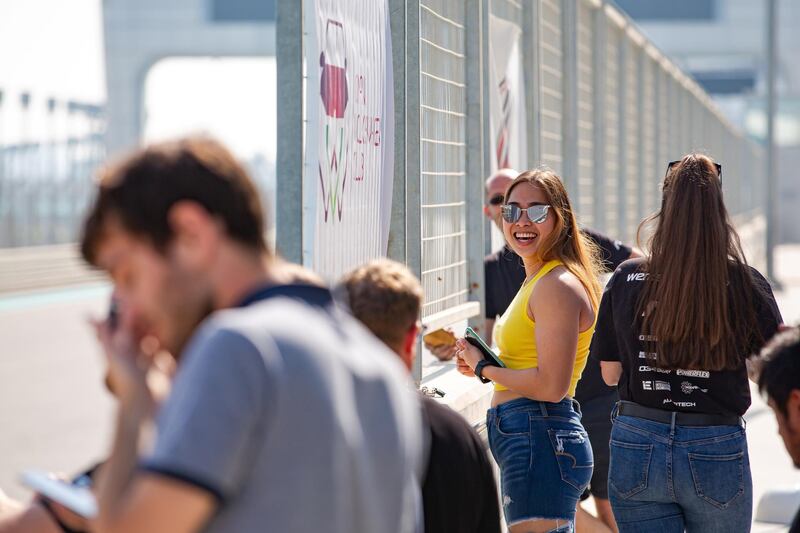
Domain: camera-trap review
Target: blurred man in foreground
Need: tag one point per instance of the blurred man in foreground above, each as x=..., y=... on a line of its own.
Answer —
x=284, y=414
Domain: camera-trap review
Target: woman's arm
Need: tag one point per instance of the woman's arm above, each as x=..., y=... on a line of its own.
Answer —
x=556, y=302
x=611, y=370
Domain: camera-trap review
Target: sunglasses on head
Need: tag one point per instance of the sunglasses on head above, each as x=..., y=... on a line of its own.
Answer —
x=673, y=163
x=496, y=200
x=536, y=213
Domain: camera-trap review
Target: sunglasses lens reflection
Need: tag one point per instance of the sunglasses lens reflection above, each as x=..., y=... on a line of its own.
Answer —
x=537, y=213
x=511, y=213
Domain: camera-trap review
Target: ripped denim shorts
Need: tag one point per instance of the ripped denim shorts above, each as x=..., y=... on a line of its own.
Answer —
x=544, y=456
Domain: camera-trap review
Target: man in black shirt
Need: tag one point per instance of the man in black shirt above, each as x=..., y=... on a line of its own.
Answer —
x=779, y=380
x=459, y=492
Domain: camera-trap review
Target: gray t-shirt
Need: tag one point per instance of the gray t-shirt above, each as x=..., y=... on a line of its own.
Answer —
x=297, y=419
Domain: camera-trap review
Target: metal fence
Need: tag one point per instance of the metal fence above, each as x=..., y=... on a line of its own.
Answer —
x=45, y=173
x=443, y=153
x=48, y=161
x=604, y=108
x=609, y=110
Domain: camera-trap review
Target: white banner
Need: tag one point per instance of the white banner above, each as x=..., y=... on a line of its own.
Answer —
x=506, y=96
x=506, y=102
x=349, y=143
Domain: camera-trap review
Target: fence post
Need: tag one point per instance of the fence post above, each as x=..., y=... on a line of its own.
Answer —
x=289, y=164
x=643, y=172
x=569, y=81
x=599, y=116
x=413, y=237
x=397, y=228
x=622, y=155
x=477, y=62
x=533, y=97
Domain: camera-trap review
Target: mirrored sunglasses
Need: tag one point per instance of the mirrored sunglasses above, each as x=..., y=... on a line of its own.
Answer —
x=536, y=213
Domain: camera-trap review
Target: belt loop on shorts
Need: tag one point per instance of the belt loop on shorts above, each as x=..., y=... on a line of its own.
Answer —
x=576, y=406
x=672, y=424
x=543, y=409
x=615, y=412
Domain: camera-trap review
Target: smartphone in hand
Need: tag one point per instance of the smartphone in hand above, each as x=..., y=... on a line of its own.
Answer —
x=488, y=354
x=78, y=499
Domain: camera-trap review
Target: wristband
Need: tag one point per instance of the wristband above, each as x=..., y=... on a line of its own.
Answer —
x=479, y=370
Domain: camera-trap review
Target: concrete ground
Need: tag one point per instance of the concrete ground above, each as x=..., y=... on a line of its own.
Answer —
x=55, y=414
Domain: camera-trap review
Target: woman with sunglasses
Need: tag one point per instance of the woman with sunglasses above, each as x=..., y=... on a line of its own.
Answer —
x=534, y=425
x=674, y=331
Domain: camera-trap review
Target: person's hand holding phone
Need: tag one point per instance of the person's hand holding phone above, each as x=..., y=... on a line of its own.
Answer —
x=469, y=353
x=467, y=356
x=126, y=351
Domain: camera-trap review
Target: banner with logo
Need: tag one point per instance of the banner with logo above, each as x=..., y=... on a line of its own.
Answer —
x=506, y=95
x=507, y=118
x=349, y=137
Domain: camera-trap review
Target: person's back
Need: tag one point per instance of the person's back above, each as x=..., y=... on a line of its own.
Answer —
x=674, y=331
x=256, y=394
x=458, y=472
x=459, y=493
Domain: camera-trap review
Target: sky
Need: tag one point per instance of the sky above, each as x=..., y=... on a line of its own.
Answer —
x=54, y=49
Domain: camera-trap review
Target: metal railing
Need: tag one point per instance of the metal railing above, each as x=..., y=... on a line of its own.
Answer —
x=45, y=174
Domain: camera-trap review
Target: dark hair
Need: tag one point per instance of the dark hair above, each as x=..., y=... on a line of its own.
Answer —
x=698, y=298
x=780, y=367
x=139, y=192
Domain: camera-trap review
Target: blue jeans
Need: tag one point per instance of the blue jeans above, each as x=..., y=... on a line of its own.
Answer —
x=667, y=478
x=544, y=456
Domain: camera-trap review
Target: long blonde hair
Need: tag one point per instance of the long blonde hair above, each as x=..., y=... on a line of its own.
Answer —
x=567, y=242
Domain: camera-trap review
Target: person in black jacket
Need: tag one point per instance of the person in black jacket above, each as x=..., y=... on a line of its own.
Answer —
x=459, y=492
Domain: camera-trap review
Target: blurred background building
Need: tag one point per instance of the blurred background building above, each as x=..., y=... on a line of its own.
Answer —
x=106, y=75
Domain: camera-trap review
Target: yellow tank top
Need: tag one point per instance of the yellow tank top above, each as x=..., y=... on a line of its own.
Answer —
x=515, y=334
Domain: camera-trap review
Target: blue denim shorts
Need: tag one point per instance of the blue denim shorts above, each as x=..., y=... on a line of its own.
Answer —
x=544, y=456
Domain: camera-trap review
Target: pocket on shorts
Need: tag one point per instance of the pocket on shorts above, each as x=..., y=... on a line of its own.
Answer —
x=574, y=456
x=510, y=444
x=513, y=424
x=629, y=467
x=718, y=479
